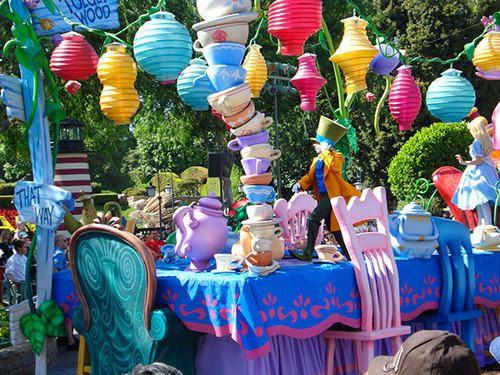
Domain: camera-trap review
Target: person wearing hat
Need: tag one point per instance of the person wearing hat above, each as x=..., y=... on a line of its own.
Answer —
x=325, y=176
x=428, y=353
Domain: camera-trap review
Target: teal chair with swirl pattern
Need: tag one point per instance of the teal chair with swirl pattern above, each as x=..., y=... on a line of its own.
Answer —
x=115, y=277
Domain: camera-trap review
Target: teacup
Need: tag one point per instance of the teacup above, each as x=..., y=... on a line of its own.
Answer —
x=262, y=259
x=249, y=140
x=223, y=77
x=258, y=123
x=329, y=253
x=242, y=117
x=258, y=194
x=261, y=245
x=212, y=9
x=260, y=212
x=267, y=232
x=232, y=28
x=228, y=262
x=255, y=165
x=257, y=179
x=224, y=53
x=231, y=101
x=261, y=151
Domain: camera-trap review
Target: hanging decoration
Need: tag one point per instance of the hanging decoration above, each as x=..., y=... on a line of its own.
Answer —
x=487, y=53
x=163, y=47
x=386, y=60
x=117, y=72
x=74, y=58
x=354, y=54
x=450, y=97
x=308, y=81
x=256, y=68
x=293, y=22
x=405, y=98
x=191, y=95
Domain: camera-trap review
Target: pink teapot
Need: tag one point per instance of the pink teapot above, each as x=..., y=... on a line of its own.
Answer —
x=201, y=231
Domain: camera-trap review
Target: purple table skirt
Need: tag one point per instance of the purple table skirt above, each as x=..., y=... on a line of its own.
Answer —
x=290, y=356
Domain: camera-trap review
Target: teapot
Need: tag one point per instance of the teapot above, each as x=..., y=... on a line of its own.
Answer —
x=201, y=231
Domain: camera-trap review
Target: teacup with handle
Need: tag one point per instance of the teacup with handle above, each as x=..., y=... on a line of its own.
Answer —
x=257, y=124
x=261, y=151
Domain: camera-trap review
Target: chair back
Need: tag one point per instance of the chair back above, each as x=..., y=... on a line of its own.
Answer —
x=446, y=180
x=372, y=257
x=293, y=215
x=115, y=278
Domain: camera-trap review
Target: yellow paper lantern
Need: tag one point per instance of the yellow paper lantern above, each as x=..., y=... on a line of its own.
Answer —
x=256, y=68
x=117, y=71
x=354, y=54
x=487, y=52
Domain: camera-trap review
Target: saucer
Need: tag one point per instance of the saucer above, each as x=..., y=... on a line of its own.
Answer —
x=262, y=271
x=231, y=18
x=223, y=271
x=257, y=223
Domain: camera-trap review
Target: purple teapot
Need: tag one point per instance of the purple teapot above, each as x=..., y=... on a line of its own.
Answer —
x=201, y=231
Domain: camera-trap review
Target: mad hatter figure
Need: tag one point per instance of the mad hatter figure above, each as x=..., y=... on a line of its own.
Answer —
x=325, y=176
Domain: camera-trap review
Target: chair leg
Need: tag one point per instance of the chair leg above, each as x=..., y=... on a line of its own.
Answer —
x=330, y=349
x=365, y=351
x=468, y=333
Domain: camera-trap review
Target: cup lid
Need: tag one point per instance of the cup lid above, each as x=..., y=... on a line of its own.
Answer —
x=210, y=202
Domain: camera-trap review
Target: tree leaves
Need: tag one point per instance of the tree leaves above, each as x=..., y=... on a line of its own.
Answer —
x=53, y=318
x=33, y=327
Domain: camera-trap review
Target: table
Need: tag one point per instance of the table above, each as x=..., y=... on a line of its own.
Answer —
x=300, y=300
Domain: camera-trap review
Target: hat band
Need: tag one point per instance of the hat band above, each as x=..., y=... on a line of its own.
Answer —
x=320, y=139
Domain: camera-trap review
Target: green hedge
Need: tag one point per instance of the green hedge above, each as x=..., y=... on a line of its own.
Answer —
x=6, y=201
x=101, y=199
x=135, y=191
x=7, y=188
x=429, y=149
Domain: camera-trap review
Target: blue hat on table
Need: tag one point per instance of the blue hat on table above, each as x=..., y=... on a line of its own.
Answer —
x=329, y=131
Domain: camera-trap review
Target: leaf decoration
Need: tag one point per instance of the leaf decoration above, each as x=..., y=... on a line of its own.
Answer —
x=30, y=57
x=54, y=111
x=53, y=318
x=469, y=49
x=33, y=327
x=496, y=18
x=50, y=6
x=5, y=11
x=20, y=32
x=322, y=40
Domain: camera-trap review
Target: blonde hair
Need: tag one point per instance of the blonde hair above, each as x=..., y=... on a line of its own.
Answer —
x=4, y=235
x=478, y=130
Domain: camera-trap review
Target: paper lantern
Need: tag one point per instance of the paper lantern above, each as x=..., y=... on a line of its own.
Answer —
x=404, y=99
x=451, y=97
x=293, y=22
x=256, y=68
x=74, y=59
x=308, y=81
x=487, y=52
x=193, y=96
x=117, y=72
x=354, y=54
x=384, y=65
x=495, y=120
x=163, y=47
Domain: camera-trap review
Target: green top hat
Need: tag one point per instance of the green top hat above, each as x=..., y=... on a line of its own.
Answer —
x=329, y=131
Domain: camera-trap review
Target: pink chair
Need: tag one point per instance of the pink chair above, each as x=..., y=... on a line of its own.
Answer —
x=376, y=276
x=293, y=217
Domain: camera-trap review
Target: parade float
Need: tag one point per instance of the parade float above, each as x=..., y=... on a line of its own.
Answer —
x=247, y=297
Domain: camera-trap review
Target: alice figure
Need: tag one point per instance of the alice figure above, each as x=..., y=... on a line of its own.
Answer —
x=476, y=189
x=325, y=177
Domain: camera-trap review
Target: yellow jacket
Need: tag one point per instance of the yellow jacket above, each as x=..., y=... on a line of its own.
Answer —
x=336, y=186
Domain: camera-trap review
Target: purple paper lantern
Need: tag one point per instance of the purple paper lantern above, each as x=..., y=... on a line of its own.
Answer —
x=384, y=65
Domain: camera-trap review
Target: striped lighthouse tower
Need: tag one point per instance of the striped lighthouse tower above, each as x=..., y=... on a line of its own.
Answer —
x=72, y=168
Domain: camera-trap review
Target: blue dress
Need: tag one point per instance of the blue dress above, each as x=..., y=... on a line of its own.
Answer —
x=477, y=185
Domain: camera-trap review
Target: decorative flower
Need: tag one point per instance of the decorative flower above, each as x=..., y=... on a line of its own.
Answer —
x=370, y=97
x=72, y=87
x=47, y=23
x=57, y=39
x=32, y=4
x=219, y=36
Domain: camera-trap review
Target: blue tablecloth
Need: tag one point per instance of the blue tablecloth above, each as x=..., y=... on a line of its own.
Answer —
x=299, y=300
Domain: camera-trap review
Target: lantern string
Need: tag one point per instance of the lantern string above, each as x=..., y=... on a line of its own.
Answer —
x=254, y=39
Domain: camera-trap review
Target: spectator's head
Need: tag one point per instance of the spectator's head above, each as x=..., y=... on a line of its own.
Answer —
x=155, y=369
x=428, y=353
x=5, y=236
x=154, y=235
x=61, y=241
x=21, y=247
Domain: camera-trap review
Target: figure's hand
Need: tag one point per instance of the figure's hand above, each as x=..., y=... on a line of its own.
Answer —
x=295, y=188
x=459, y=159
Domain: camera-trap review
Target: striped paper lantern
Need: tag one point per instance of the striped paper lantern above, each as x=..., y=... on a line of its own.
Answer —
x=163, y=47
x=191, y=95
x=450, y=97
x=74, y=58
x=404, y=99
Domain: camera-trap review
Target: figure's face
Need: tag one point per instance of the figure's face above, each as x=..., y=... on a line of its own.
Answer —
x=24, y=248
x=318, y=148
x=62, y=243
x=155, y=235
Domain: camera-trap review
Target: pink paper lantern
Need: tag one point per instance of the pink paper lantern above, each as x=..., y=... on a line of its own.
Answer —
x=293, y=22
x=405, y=99
x=495, y=120
x=308, y=81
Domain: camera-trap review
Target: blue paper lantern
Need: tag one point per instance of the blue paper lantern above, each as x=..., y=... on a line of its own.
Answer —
x=194, y=96
x=163, y=47
x=451, y=97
